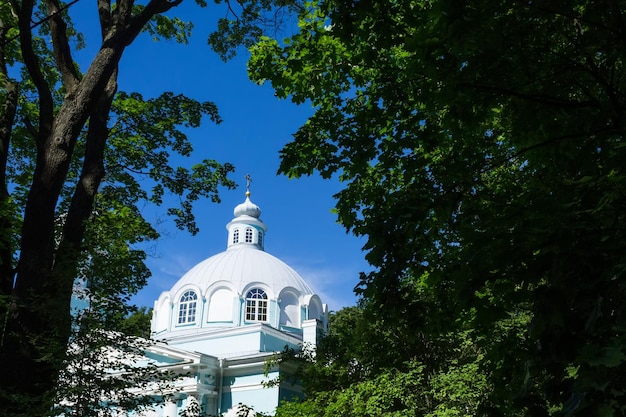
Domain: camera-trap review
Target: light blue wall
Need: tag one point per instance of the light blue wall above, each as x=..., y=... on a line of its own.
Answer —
x=247, y=389
x=160, y=359
x=272, y=343
x=263, y=400
x=240, y=343
x=249, y=379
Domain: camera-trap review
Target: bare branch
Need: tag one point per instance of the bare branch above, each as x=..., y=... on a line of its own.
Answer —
x=231, y=10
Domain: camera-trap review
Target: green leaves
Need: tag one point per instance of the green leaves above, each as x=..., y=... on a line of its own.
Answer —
x=480, y=150
x=144, y=139
x=78, y=164
x=246, y=22
x=368, y=366
x=610, y=356
x=168, y=28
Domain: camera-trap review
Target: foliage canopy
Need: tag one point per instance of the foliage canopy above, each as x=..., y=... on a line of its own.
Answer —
x=78, y=163
x=481, y=145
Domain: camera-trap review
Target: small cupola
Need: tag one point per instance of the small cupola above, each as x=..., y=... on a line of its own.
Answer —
x=247, y=208
x=246, y=229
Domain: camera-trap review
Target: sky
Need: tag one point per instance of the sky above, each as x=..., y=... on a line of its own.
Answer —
x=302, y=230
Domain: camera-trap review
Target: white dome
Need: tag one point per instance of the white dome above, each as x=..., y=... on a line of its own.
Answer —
x=241, y=286
x=243, y=266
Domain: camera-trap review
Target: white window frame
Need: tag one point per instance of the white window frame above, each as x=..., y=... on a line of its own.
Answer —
x=187, y=308
x=256, y=305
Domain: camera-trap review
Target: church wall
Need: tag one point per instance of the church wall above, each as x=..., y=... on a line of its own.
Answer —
x=248, y=390
x=274, y=313
x=273, y=343
x=161, y=315
x=220, y=306
x=239, y=336
x=225, y=346
x=315, y=309
x=236, y=310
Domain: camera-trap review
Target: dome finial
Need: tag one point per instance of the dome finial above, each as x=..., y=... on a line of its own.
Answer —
x=248, y=182
x=247, y=208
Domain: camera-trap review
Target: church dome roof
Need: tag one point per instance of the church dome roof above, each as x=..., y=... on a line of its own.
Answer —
x=243, y=266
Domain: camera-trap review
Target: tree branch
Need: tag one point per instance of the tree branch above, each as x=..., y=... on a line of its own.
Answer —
x=537, y=98
x=123, y=12
x=81, y=206
x=104, y=13
x=548, y=142
x=31, y=61
x=61, y=47
x=153, y=8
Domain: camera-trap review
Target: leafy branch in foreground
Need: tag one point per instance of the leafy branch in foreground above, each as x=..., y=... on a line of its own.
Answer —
x=79, y=161
x=481, y=147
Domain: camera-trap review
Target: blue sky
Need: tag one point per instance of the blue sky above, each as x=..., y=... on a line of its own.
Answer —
x=302, y=231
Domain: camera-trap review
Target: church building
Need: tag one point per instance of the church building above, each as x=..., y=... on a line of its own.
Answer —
x=222, y=320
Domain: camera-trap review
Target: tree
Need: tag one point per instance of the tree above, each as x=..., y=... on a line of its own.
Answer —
x=137, y=323
x=72, y=153
x=359, y=368
x=106, y=374
x=107, y=368
x=481, y=147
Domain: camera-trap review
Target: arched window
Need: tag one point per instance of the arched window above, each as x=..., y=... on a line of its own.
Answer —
x=248, y=235
x=236, y=236
x=187, y=308
x=256, y=305
x=260, y=238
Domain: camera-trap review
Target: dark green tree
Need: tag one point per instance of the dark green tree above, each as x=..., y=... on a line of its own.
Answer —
x=481, y=145
x=137, y=323
x=360, y=368
x=78, y=160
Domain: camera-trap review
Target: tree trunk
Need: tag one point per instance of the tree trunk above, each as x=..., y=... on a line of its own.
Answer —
x=38, y=323
x=7, y=119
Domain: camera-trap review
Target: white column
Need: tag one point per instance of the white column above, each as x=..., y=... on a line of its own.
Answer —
x=170, y=409
x=310, y=329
